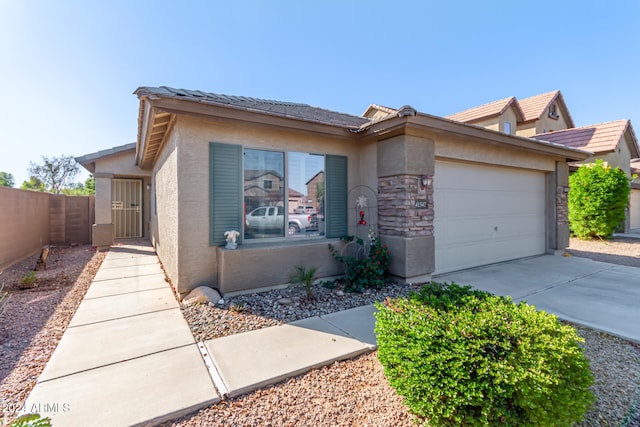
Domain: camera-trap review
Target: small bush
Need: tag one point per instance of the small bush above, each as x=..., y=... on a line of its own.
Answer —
x=367, y=271
x=304, y=276
x=28, y=280
x=461, y=357
x=598, y=198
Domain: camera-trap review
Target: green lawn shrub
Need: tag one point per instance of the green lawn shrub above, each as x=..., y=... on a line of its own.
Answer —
x=461, y=357
x=598, y=198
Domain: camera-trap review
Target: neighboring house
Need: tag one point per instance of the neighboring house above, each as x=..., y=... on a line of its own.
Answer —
x=546, y=117
x=449, y=195
x=538, y=114
x=613, y=142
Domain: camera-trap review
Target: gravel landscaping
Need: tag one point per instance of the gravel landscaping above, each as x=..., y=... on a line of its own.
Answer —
x=353, y=392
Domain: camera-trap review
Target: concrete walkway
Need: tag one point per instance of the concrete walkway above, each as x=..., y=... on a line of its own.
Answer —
x=129, y=358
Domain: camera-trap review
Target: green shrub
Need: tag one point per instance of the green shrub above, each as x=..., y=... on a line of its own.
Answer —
x=367, y=269
x=468, y=358
x=28, y=280
x=31, y=420
x=598, y=198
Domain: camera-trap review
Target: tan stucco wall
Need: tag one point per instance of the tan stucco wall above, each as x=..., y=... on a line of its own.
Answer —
x=508, y=116
x=492, y=123
x=164, y=218
x=24, y=227
x=186, y=159
x=466, y=149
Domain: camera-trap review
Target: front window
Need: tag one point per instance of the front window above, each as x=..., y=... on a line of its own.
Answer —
x=268, y=214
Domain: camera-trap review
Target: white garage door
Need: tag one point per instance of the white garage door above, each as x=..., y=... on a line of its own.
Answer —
x=486, y=214
x=634, y=208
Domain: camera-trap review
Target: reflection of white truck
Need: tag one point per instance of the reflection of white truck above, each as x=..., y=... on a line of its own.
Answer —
x=271, y=218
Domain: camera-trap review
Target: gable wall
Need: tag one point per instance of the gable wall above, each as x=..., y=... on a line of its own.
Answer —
x=492, y=123
x=509, y=116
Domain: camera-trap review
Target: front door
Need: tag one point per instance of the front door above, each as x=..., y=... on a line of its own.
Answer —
x=126, y=207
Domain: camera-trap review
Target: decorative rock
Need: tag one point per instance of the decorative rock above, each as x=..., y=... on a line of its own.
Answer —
x=202, y=294
x=340, y=293
x=285, y=301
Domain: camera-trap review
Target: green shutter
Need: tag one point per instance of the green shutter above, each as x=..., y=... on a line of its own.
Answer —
x=336, y=196
x=225, y=174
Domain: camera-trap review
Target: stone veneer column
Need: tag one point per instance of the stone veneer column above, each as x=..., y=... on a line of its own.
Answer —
x=102, y=230
x=562, y=206
x=405, y=176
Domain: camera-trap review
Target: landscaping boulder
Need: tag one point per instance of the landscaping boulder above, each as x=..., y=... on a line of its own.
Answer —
x=202, y=295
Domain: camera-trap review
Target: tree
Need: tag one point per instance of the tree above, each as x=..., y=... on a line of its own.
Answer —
x=6, y=179
x=80, y=189
x=55, y=172
x=33, y=184
x=598, y=198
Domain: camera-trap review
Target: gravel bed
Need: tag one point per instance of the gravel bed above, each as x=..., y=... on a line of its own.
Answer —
x=34, y=320
x=355, y=392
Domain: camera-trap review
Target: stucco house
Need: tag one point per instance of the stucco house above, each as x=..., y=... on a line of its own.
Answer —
x=443, y=195
x=546, y=117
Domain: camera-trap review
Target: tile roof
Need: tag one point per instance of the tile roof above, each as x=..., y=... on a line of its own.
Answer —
x=491, y=109
x=535, y=106
x=600, y=138
x=277, y=108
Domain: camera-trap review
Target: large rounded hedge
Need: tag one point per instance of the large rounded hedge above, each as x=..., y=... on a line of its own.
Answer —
x=461, y=357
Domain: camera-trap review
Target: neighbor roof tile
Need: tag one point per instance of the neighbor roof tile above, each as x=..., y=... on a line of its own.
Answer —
x=600, y=138
x=491, y=109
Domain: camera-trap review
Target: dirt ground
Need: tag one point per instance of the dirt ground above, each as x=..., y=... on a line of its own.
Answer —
x=33, y=320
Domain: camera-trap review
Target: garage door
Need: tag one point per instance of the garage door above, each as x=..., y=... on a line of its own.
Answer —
x=486, y=214
x=634, y=208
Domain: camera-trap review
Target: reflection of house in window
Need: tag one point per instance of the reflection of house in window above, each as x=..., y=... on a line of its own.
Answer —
x=262, y=188
x=315, y=191
x=295, y=199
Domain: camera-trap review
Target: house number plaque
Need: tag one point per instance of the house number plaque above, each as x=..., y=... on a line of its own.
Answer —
x=421, y=204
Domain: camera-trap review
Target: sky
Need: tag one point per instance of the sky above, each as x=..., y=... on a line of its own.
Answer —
x=68, y=69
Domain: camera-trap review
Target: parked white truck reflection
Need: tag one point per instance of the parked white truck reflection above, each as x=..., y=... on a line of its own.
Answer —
x=271, y=218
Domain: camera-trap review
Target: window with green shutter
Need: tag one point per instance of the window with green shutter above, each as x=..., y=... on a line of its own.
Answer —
x=253, y=192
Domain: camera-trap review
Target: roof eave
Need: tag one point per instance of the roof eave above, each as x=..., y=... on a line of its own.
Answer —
x=398, y=125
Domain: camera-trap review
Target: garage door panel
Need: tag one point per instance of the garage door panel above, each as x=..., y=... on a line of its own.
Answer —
x=486, y=214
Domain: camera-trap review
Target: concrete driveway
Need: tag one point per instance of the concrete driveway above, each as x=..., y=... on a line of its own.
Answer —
x=599, y=295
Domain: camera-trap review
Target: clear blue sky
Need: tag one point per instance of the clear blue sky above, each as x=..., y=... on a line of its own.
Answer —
x=68, y=68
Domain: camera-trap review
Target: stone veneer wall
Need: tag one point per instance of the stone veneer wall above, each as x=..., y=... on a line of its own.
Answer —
x=397, y=212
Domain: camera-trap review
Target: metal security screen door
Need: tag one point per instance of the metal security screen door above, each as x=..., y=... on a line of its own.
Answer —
x=126, y=207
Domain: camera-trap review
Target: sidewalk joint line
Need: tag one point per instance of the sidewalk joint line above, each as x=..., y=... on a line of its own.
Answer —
x=123, y=317
x=114, y=363
x=125, y=293
x=213, y=371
